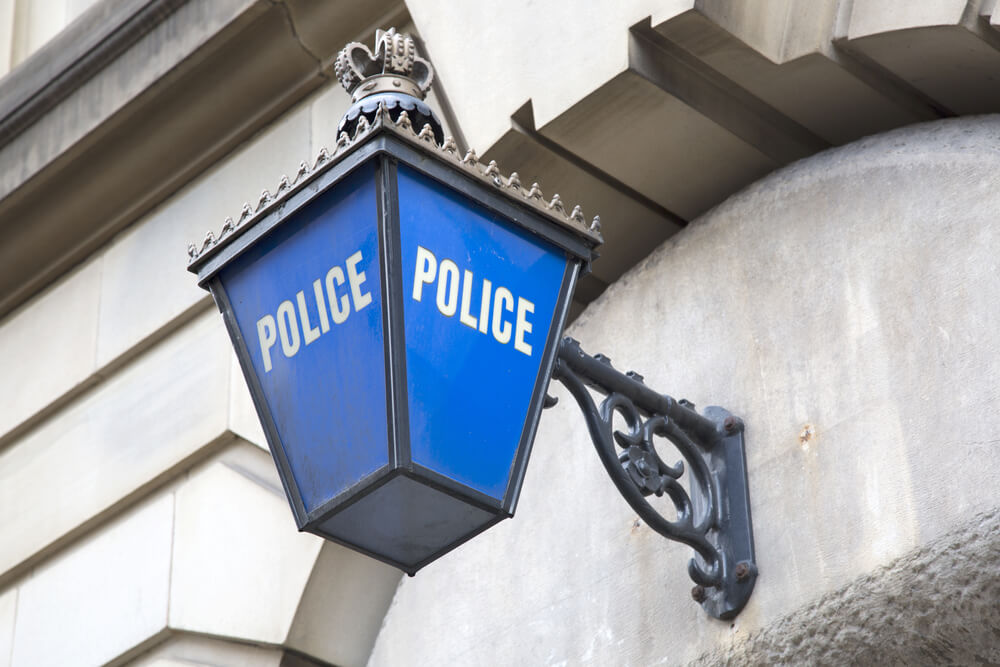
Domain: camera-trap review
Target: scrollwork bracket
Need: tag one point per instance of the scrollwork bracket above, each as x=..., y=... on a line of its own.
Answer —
x=714, y=518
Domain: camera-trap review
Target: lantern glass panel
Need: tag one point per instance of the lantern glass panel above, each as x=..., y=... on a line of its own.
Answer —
x=480, y=296
x=307, y=299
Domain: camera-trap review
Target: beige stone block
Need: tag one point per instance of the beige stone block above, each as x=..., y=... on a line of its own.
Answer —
x=239, y=565
x=185, y=650
x=156, y=54
x=324, y=27
x=35, y=23
x=951, y=60
x=6, y=34
x=243, y=419
x=326, y=108
x=717, y=161
x=808, y=87
x=50, y=345
x=524, y=60
x=149, y=417
x=145, y=284
x=870, y=17
x=100, y=597
x=780, y=30
x=8, y=608
x=342, y=609
x=76, y=7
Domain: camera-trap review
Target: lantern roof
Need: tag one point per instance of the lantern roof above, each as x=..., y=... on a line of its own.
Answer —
x=532, y=197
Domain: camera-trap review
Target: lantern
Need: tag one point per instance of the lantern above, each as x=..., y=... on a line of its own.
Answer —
x=395, y=310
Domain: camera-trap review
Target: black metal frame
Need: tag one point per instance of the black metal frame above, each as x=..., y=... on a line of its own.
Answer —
x=715, y=518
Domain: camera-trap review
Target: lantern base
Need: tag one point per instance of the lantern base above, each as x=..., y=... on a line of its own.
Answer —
x=405, y=520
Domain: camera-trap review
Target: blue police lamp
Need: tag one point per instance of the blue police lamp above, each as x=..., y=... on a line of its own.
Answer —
x=397, y=310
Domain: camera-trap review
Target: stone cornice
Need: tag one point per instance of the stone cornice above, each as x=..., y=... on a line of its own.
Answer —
x=69, y=59
x=95, y=143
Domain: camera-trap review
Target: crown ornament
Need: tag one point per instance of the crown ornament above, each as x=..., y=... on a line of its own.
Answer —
x=394, y=67
x=394, y=78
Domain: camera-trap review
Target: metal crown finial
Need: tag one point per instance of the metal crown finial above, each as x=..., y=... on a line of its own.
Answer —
x=394, y=79
x=394, y=67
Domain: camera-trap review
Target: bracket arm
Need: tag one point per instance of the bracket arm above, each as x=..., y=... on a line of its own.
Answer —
x=714, y=519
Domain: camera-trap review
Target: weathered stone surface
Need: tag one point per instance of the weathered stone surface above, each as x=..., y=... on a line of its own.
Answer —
x=115, y=440
x=937, y=605
x=144, y=285
x=55, y=338
x=236, y=552
x=203, y=567
x=845, y=308
x=101, y=598
x=8, y=606
x=197, y=83
x=183, y=649
x=150, y=58
x=342, y=607
x=37, y=22
x=781, y=30
x=522, y=60
x=869, y=17
x=243, y=420
x=6, y=36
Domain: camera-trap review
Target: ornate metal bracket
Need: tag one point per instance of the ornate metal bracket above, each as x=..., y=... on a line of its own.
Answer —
x=715, y=519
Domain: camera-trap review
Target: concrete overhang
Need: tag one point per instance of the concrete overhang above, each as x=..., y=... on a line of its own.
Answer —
x=649, y=120
x=133, y=100
x=656, y=112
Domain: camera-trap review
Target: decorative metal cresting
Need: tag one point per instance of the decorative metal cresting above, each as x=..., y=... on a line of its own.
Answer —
x=390, y=126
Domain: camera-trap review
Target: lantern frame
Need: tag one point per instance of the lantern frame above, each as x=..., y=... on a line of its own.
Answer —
x=389, y=144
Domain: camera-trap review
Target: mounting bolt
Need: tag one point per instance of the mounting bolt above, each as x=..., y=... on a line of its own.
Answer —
x=730, y=424
x=742, y=571
x=698, y=594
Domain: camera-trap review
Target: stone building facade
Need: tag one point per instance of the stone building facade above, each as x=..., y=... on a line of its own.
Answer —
x=799, y=208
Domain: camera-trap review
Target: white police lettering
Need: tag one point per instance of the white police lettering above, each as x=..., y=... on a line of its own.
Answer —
x=294, y=322
x=502, y=316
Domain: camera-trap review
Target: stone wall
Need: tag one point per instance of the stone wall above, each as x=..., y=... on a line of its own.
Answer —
x=843, y=305
x=139, y=507
x=846, y=308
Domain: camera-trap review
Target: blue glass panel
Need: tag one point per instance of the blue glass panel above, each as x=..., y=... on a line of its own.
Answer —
x=308, y=303
x=479, y=298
